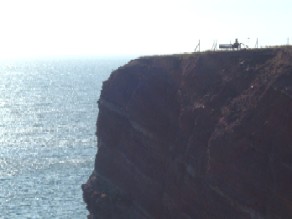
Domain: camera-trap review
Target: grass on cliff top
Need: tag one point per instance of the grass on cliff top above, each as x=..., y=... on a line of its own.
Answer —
x=188, y=54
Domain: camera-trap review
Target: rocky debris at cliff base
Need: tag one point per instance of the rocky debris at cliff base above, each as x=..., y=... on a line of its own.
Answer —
x=195, y=136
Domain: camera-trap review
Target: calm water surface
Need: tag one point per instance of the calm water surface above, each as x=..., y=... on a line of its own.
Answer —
x=48, y=112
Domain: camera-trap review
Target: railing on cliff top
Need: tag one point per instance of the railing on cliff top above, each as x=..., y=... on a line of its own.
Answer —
x=238, y=46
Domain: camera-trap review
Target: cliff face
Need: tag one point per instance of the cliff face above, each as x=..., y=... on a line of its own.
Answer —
x=195, y=136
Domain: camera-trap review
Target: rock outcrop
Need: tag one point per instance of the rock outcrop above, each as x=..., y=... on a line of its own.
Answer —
x=205, y=135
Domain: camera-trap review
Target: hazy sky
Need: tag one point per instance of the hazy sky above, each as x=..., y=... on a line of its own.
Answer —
x=137, y=27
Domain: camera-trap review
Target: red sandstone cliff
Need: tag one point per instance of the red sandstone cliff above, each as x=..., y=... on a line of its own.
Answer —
x=195, y=136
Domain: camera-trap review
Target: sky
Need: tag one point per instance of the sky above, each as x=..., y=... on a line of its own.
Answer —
x=33, y=28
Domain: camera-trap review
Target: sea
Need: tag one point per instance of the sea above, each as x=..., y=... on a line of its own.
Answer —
x=48, y=112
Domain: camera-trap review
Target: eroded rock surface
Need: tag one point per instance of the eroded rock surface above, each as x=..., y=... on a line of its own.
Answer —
x=195, y=136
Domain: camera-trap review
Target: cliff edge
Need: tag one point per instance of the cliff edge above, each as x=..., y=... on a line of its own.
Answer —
x=205, y=135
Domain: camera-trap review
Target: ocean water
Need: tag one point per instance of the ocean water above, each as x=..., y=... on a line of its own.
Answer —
x=48, y=112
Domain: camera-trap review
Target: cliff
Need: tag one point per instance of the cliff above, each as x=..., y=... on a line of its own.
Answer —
x=205, y=135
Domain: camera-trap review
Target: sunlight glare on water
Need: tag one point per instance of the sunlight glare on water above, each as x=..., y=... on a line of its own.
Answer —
x=48, y=112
